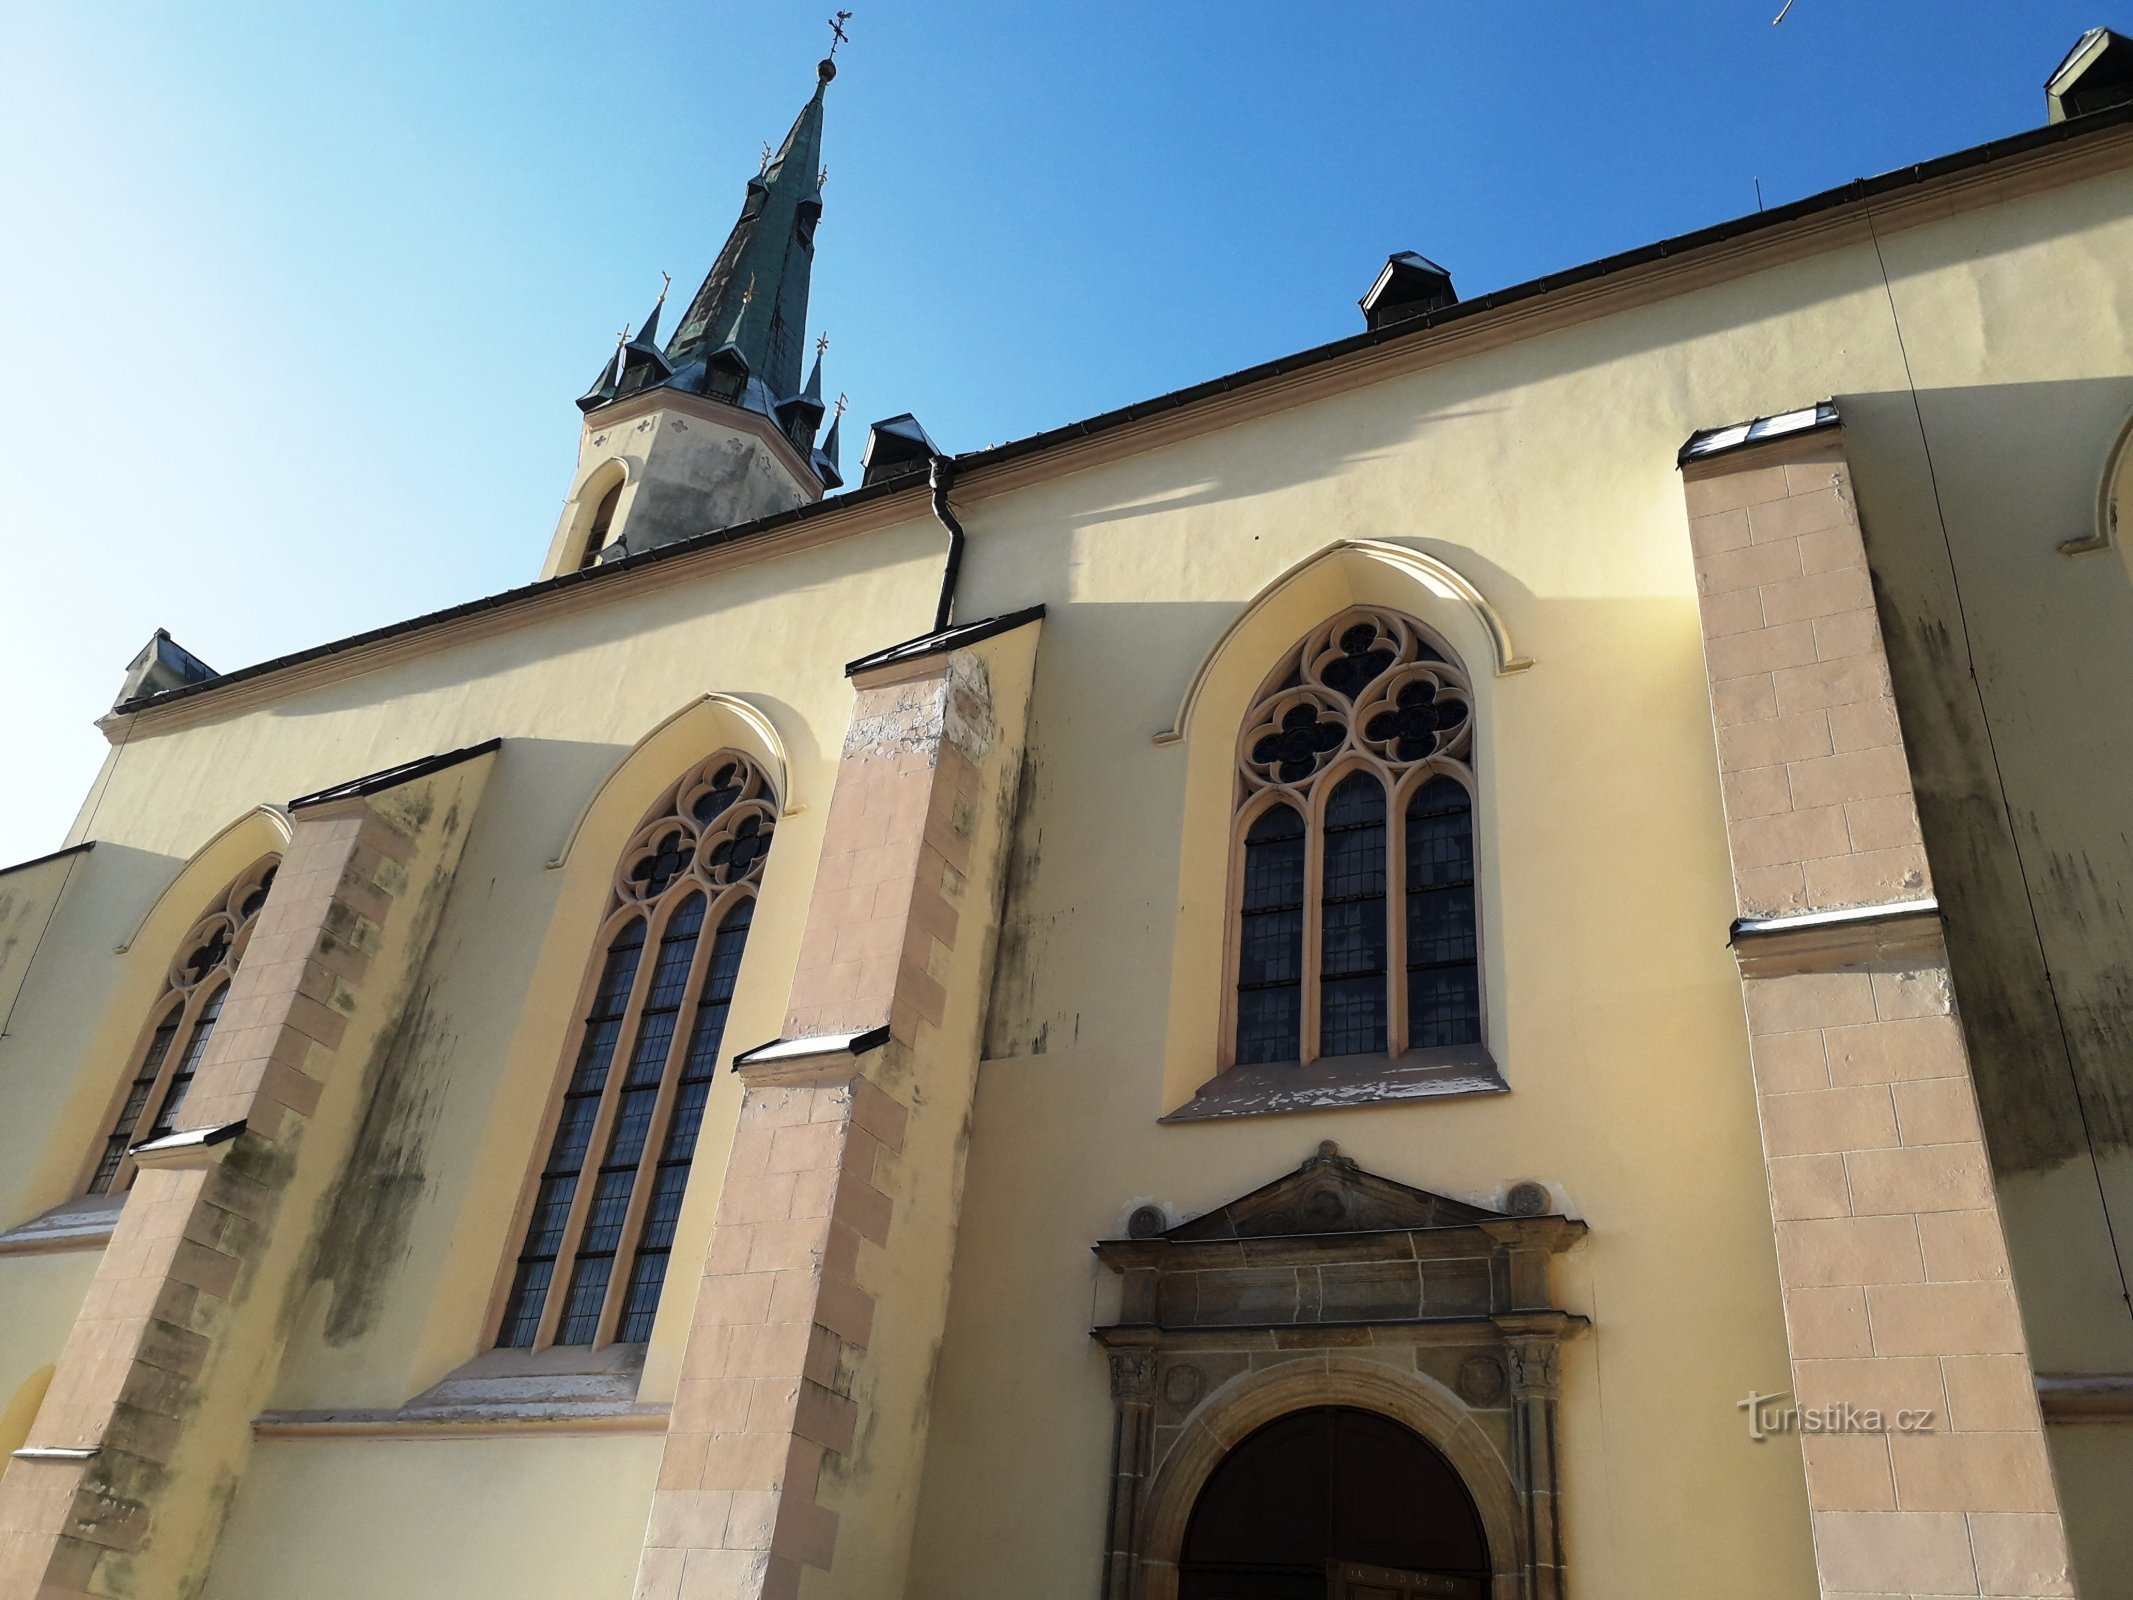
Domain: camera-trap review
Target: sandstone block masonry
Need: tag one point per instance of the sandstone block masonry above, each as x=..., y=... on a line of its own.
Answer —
x=1891, y=1254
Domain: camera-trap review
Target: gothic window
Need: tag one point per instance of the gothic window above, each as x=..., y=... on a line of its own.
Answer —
x=1354, y=915
x=603, y=1205
x=180, y=1024
x=602, y=523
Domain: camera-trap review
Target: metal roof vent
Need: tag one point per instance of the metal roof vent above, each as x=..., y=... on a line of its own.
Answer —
x=1409, y=286
x=895, y=446
x=2096, y=75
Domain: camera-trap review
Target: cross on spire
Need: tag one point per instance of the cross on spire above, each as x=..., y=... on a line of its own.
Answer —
x=822, y=345
x=838, y=35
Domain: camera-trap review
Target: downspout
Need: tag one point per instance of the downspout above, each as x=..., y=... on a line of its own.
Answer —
x=940, y=474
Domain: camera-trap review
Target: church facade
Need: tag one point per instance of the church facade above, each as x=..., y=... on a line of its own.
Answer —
x=1486, y=961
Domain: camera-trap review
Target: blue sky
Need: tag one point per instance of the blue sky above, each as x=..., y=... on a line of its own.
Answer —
x=295, y=299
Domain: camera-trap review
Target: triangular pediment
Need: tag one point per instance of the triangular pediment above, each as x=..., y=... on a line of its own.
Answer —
x=1330, y=1194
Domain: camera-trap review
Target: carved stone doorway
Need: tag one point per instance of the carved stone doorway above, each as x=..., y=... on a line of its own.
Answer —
x=1334, y=1503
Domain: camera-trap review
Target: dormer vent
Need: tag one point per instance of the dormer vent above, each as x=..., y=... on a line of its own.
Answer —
x=161, y=664
x=895, y=446
x=1409, y=286
x=2096, y=75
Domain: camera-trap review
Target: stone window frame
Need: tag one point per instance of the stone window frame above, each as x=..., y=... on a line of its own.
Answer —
x=633, y=899
x=1402, y=1070
x=189, y=1006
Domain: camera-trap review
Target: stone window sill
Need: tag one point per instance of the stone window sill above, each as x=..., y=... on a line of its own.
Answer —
x=1271, y=1088
x=83, y=1223
x=500, y=1391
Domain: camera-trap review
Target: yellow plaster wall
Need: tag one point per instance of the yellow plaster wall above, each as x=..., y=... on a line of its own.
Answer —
x=41, y=1295
x=1544, y=471
x=536, y=1518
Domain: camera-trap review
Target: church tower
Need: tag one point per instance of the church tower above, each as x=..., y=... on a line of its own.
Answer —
x=716, y=427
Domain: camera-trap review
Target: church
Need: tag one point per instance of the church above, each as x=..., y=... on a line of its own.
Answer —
x=1490, y=961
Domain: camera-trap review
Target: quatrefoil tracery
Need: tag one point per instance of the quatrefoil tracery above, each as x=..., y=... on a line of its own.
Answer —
x=1367, y=683
x=714, y=827
x=216, y=943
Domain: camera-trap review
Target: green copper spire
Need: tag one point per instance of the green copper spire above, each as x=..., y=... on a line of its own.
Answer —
x=772, y=247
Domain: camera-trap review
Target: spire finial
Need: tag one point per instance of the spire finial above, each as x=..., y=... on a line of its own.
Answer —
x=837, y=34
x=763, y=164
x=843, y=400
x=822, y=178
x=666, y=282
x=822, y=345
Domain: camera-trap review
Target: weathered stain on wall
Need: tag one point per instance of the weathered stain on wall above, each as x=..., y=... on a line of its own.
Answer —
x=368, y=1216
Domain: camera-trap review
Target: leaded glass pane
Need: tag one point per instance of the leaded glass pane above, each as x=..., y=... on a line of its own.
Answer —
x=1270, y=939
x=670, y=1178
x=567, y=1151
x=609, y=1212
x=1352, y=944
x=137, y=1092
x=1443, y=975
x=181, y=1081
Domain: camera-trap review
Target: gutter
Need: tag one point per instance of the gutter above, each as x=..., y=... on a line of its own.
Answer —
x=1858, y=192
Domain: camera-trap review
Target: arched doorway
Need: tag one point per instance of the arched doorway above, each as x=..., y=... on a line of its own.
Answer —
x=1334, y=1503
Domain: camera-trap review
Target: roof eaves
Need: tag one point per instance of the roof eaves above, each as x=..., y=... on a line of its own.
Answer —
x=1857, y=191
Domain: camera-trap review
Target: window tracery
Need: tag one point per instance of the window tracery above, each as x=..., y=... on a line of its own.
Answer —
x=194, y=988
x=1354, y=915
x=598, y=1232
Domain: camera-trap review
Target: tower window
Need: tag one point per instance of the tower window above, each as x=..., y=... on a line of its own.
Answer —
x=602, y=523
x=1354, y=911
x=605, y=1201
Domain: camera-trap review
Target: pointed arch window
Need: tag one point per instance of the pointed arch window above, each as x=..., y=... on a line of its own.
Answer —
x=603, y=522
x=180, y=1024
x=1354, y=920
x=602, y=1208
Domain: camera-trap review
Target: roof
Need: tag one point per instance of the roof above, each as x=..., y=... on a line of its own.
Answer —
x=1857, y=192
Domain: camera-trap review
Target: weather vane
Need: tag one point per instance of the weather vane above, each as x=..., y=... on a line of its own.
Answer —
x=842, y=402
x=837, y=31
x=666, y=282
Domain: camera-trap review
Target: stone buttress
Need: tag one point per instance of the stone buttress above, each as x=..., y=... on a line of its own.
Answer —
x=1891, y=1253
x=799, y=1421
x=147, y=1425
